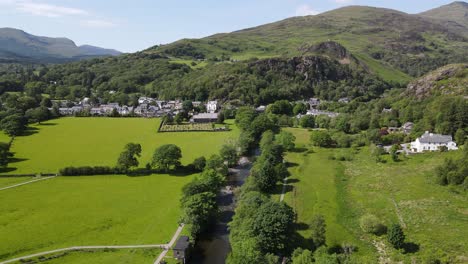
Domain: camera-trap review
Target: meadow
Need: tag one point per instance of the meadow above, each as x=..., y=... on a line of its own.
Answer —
x=434, y=217
x=95, y=210
x=87, y=211
x=98, y=141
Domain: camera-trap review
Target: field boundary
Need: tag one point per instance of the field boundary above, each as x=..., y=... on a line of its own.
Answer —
x=77, y=248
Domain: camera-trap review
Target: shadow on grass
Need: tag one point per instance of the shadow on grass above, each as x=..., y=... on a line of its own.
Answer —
x=410, y=247
x=279, y=189
x=5, y=170
x=15, y=160
x=29, y=131
x=47, y=124
x=294, y=180
x=291, y=164
x=298, y=150
x=301, y=226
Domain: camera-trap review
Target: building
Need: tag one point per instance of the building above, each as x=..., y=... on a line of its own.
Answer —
x=407, y=127
x=344, y=100
x=314, y=102
x=315, y=112
x=180, y=249
x=260, y=109
x=205, y=118
x=212, y=106
x=432, y=142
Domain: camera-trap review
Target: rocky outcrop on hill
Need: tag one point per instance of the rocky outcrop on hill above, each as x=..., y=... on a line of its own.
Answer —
x=450, y=79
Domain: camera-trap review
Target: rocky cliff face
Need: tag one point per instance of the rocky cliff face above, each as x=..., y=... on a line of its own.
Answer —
x=450, y=79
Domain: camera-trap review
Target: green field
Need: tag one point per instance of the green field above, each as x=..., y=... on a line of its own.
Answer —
x=435, y=217
x=9, y=181
x=87, y=211
x=122, y=256
x=99, y=141
x=94, y=210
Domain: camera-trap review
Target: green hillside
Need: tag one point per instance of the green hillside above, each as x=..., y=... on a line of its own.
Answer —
x=389, y=41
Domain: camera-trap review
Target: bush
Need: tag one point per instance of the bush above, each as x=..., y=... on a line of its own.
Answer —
x=371, y=224
x=396, y=237
x=87, y=171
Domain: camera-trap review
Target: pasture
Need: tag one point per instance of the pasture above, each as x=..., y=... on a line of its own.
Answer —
x=87, y=211
x=98, y=141
x=95, y=210
x=434, y=217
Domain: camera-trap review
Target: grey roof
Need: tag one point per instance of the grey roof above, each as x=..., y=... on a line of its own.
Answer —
x=182, y=243
x=206, y=116
x=434, y=138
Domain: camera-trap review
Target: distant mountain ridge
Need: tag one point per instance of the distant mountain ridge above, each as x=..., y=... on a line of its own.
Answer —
x=19, y=46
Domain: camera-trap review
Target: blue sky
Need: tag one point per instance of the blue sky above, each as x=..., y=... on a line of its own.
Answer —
x=132, y=25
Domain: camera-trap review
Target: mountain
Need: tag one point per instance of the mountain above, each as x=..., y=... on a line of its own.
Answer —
x=19, y=46
x=97, y=51
x=448, y=80
x=395, y=45
x=454, y=16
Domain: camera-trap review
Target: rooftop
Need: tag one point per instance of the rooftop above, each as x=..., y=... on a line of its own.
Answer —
x=206, y=116
x=182, y=243
x=434, y=138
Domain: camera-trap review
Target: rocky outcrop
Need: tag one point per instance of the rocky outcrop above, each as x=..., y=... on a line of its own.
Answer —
x=450, y=79
x=331, y=49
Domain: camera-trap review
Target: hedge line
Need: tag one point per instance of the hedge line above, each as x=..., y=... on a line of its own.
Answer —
x=88, y=170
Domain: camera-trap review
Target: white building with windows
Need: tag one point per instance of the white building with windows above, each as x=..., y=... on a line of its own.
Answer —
x=212, y=106
x=432, y=142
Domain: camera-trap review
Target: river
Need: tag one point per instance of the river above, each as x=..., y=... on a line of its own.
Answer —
x=216, y=249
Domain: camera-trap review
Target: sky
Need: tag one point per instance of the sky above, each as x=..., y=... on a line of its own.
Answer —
x=133, y=25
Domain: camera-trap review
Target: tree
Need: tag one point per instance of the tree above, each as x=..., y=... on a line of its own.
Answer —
x=229, y=154
x=5, y=154
x=178, y=119
x=318, y=229
x=38, y=114
x=128, y=157
x=299, y=108
x=460, y=136
x=216, y=163
x=396, y=237
x=244, y=117
x=301, y=256
x=272, y=225
x=394, y=152
x=377, y=152
x=46, y=102
x=307, y=121
x=166, y=156
x=13, y=125
x=198, y=211
x=199, y=163
x=286, y=139
x=187, y=106
x=321, y=138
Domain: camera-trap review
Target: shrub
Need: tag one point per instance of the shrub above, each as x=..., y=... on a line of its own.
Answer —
x=371, y=224
x=396, y=237
x=87, y=171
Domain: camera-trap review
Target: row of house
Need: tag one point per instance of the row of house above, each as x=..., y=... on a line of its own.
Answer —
x=148, y=107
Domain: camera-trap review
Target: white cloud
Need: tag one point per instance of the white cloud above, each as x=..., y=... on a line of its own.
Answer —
x=47, y=10
x=306, y=10
x=97, y=23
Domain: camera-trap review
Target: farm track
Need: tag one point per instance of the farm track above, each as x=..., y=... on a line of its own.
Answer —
x=168, y=246
x=76, y=248
x=28, y=182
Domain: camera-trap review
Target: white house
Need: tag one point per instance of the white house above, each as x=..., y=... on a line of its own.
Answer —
x=432, y=142
x=212, y=106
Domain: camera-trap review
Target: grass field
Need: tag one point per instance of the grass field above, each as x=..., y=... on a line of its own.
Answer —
x=94, y=210
x=86, y=211
x=98, y=141
x=436, y=217
x=122, y=256
x=4, y=182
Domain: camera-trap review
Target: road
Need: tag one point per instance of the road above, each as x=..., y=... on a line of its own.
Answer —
x=171, y=243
